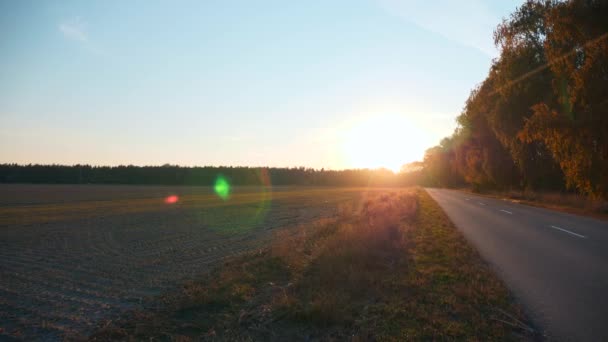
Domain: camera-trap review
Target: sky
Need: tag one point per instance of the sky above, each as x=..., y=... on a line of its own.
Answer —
x=324, y=84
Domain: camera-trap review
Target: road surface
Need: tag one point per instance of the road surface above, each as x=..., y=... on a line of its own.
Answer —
x=555, y=263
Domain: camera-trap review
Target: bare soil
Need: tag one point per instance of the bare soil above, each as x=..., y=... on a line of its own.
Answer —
x=73, y=256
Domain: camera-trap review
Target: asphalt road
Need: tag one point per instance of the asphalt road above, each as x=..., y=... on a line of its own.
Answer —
x=555, y=263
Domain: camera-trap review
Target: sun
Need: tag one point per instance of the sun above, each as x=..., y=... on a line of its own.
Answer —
x=383, y=141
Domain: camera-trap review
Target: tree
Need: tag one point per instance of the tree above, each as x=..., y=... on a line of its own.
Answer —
x=540, y=118
x=575, y=127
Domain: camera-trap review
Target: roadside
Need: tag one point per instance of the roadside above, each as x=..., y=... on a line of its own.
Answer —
x=567, y=203
x=394, y=269
x=554, y=262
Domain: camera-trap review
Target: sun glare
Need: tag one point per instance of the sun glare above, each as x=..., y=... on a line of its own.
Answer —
x=384, y=141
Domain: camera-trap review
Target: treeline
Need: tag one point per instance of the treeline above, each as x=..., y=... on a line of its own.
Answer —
x=204, y=176
x=539, y=120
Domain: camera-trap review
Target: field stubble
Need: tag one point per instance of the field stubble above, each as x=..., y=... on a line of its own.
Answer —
x=72, y=256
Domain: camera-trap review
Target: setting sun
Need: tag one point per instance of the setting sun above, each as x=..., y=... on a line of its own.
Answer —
x=383, y=141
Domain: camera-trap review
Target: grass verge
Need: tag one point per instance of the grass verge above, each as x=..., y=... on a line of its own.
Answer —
x=564, y=202
x=394, y=268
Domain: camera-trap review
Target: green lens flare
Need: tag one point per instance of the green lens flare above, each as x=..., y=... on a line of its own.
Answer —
x=222, y=187
x=243, y=211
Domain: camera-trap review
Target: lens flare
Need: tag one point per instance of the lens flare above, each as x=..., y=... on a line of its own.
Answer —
x=250, y=207
x=171, y=199
x=222, y=187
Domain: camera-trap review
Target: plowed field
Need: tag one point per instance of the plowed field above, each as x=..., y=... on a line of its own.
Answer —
x=73, y=256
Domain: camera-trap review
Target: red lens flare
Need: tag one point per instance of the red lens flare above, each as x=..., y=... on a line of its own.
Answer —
x=171, y=199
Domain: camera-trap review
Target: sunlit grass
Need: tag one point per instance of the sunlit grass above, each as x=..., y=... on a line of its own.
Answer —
x=391, y=267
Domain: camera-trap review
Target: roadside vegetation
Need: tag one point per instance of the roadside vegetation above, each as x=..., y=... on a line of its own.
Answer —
x=563, y=201
x=391, y=267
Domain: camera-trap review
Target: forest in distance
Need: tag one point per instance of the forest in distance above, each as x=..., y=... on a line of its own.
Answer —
x=539, y=121
x=200, y=176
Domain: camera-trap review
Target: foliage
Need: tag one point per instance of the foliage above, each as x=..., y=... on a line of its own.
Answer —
x=540, y=119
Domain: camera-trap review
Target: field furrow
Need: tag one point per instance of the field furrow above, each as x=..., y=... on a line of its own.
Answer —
x=71, y=258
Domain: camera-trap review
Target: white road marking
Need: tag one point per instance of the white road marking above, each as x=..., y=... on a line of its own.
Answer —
x=481, y=203
x=506, y=211
x=569, y=232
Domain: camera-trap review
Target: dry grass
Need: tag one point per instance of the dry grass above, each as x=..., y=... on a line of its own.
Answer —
x=567, y=202
x=339, y=266
x=392, y=268
x=458, y=296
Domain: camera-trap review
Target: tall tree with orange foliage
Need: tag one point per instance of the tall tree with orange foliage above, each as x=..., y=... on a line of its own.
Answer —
x=540, y=118
x=575, y=129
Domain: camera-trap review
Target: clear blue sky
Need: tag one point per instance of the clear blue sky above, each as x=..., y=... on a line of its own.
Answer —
x=279, y=83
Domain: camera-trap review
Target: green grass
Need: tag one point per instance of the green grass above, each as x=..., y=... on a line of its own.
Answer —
x=392, y=268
